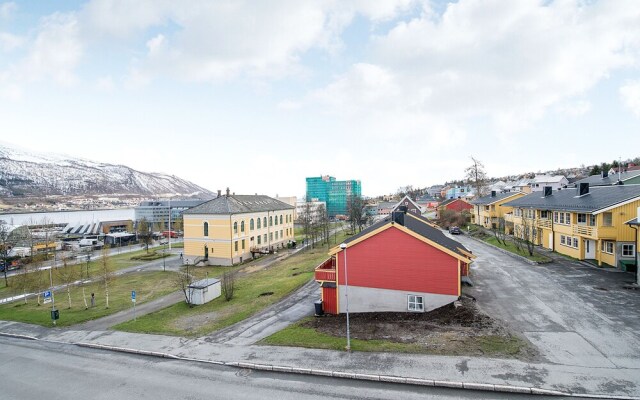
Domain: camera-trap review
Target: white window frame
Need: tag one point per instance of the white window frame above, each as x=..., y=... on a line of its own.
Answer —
x=413, y=305
x=575, y=242
x=630, y=246
x=605, y=247
x=562, y=239
x=582, y=219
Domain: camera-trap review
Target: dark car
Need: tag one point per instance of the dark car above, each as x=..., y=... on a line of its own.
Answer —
x=454, y=230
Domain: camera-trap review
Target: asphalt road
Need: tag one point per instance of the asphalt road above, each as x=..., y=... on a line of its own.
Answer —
x=574, y=313
x=44, y=370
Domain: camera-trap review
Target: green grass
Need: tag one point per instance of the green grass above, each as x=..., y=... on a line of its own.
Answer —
x=282, y=278
x=512, y=248
x=116, y=261
x=148, y=286
x=298, y=335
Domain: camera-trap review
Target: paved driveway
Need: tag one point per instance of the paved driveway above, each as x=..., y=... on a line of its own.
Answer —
x=576, y=314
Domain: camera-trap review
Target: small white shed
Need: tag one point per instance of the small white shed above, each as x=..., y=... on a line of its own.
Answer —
x=204, y=291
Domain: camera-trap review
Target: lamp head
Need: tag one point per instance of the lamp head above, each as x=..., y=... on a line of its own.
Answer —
x=343, y=246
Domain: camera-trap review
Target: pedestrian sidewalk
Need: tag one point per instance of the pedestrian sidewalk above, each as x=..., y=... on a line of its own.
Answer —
x=461, y=372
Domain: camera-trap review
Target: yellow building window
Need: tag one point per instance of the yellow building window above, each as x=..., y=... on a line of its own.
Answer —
x=206, y=229
x=242, y=244
x=235, y=228
x=236, y=245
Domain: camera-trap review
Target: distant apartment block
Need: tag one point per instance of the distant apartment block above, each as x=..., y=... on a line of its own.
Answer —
x=334, y=193
x=157, y=212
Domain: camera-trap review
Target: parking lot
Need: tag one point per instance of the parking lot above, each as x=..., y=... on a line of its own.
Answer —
x=574, y=313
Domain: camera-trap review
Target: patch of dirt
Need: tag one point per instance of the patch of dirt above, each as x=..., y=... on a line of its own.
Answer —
x=266, y=294
x=448, y=330
x=193, y=322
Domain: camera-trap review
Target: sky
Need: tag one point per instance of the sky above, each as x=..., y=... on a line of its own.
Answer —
x=258, y=95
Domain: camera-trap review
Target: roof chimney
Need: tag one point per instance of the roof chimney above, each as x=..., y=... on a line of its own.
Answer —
x=548, y=191
x=227, y=191
x=397, y=217
x=219, y=192
x=583, y=188
x=493, y=193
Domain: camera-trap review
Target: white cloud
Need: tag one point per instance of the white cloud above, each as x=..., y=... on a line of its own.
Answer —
x=574, y=109
x=105, y=84
x=9, y=41
x=211, y=41
x=7, y=9
x=508, y=62
x=630, y=94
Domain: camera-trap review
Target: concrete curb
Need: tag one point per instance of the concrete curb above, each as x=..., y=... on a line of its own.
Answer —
x=18, y=336
x=127, y=350
x=340, y=374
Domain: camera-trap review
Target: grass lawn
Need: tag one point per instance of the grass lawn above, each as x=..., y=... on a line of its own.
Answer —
x=117, y=262
x=299, y=335
x=148, y=286
x=251, y=296
x=512, y=248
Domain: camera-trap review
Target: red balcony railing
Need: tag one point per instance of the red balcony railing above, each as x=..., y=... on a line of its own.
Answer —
x=326, y=271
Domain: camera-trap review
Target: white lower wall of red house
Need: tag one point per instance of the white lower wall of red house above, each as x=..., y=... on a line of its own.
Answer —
x=364, y=299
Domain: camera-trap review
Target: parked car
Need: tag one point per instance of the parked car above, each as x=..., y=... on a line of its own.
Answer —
x=454, y=230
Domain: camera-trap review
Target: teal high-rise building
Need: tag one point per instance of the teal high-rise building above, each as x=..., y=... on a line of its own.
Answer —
x=334, y=193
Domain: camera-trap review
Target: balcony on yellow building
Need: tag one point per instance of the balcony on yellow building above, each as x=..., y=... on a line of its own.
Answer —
x=543, y=223
x=593, y=232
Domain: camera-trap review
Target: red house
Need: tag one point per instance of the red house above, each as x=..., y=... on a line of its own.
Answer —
x=400, y=264
x=457, y=205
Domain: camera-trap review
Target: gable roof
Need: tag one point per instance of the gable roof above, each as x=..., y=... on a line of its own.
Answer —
x=420, y=226
x=548, y=178
x=597, y=180
x=406, y=197
x=239, y=204
x=598, y=198
x=486, y=200
x=449, y=201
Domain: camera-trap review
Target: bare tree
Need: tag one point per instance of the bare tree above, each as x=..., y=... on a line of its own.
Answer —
x=306, y=217
x=499, y=230
x=67, y=276
x=528, y=234
x=228, y=284
x=144, y=232
x=106, y=273
x=356, y=212
x=182, y=280
x=4, y=248
x=476, y=176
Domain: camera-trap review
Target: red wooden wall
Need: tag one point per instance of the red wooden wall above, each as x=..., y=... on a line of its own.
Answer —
x=329, y=300
x=458, y=205
x=396, y=260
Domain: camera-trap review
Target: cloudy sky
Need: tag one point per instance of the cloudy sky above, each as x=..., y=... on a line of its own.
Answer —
x=257, y=95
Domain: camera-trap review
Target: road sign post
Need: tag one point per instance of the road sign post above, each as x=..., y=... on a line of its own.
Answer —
x=133, y=300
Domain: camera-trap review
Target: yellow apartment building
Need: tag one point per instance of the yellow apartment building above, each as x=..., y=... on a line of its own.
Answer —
x=488, y=209
x=227, y=229
x=584, y=223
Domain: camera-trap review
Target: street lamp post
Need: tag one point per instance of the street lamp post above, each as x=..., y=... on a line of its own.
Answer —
x=343, y=246
x=53, y=299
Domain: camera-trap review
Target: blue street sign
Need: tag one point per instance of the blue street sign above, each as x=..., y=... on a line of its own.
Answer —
x=47, y=296
x=133, y=295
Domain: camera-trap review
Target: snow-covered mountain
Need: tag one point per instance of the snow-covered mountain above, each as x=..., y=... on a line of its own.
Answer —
x=28, y=173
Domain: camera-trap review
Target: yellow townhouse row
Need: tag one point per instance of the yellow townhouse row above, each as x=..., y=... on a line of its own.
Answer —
x=489, y=210
x=586, y=223
x=227, y=229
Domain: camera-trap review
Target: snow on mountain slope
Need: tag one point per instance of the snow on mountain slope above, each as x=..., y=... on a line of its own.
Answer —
x=28, y=173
